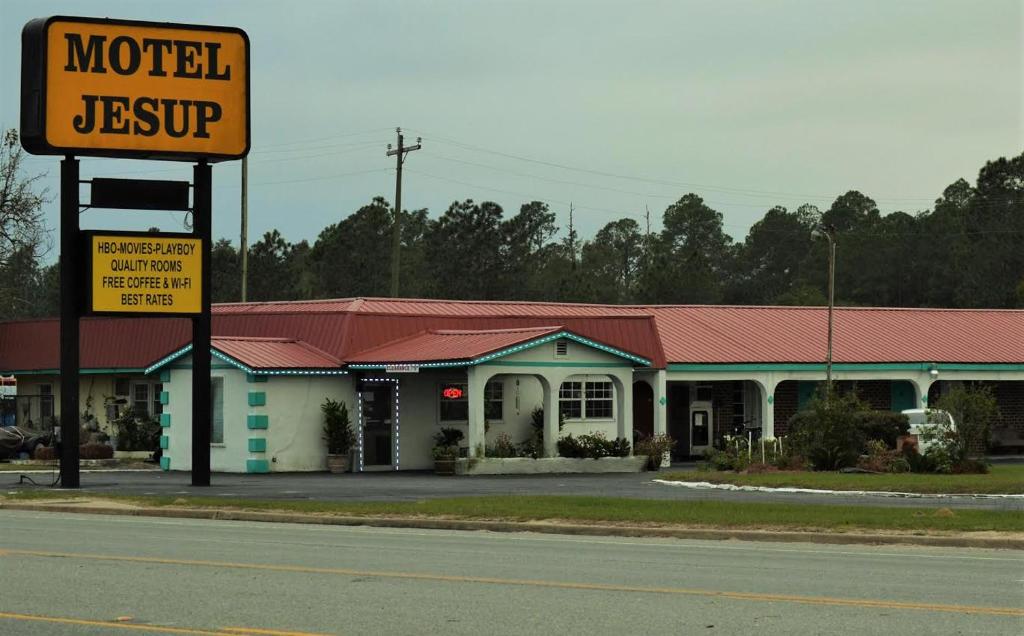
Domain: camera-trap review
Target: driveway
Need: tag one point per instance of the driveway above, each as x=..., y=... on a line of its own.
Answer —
x=414, y=485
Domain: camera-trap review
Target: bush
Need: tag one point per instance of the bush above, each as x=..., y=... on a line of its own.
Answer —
x=448, y=436
x=655, y=447
x=885, y=426
x=337, y=427
x=592, y=446
x=829, y=432
x=45, y=453
x=882, y=459
x=974, y=410
x=735, y=455
x=137, y=432
x=503, y=447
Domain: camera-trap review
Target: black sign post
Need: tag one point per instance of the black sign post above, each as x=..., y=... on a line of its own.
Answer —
x=70, y=308
x=202, y=205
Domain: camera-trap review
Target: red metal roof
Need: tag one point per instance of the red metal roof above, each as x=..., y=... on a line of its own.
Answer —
x=680, y=334
x=450, y=344
x=274, y=353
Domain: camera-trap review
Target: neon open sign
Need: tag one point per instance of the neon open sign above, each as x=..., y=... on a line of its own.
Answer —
x=452, y=392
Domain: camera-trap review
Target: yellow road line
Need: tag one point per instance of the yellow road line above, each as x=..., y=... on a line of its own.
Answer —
x=143, y=627
x=600, y=587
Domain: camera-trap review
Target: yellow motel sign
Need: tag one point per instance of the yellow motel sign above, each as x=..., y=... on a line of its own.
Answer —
x=121, y=88
x=144, y=274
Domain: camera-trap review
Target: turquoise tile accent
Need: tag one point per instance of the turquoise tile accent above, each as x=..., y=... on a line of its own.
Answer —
x=257, y=421
x=257, y=444
x=257, y=466
x=255, y=378
x=165, y=442
x=257, y=398
x=165, y=420
x=165, y=463
x=165, y=375
x=165, y=398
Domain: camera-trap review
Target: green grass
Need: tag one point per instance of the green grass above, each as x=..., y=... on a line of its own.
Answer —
x=628, y=511
x=1003, y=479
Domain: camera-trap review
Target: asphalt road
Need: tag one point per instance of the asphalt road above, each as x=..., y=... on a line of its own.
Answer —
x=80, y=574
x=413, y=486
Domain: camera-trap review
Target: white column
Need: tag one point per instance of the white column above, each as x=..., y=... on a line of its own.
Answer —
x=551, y=385
x=476, y=380
x=921, y=387
x=660, y=385
x=767, y=386
x=624, y=387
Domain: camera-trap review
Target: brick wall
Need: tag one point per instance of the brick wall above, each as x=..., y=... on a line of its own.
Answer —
x=786, y=401
x=1010, y=397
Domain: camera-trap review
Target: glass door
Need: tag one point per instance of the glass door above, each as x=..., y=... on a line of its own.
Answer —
x=377, y=425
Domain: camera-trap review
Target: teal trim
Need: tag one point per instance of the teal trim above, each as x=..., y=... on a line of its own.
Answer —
x=176, y=366
x=257, y=444
x=165, y=420
x=169, y=358
x=257, y=466
x=257, y=398
x=252, y=379
x=165, y=463
x=165, y=442
x=603, y=365
x=165, y=375
x=165, y=398
x=254, y=422
x=845, y=366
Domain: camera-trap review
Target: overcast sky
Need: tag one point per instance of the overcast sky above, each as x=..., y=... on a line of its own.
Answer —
x=749, y=104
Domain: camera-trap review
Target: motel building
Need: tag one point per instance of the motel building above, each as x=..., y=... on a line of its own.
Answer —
x=406, y=368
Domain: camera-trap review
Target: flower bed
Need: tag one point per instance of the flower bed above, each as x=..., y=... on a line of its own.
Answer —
x=548, y=465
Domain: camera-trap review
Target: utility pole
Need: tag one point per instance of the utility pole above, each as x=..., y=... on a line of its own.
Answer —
x=245, y=226
x=572, y=239
x=647, y=217
x=396, y=239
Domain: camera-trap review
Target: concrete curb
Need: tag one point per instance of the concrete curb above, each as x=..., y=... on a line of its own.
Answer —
x=1001, y=543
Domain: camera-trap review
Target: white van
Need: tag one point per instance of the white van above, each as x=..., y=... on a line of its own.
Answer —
x=923, y=419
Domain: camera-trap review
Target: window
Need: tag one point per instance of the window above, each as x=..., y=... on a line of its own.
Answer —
x=739, y=415
x=122, y=387
x=45, y=402
x=493, y=401
x=140, y=399
x=216, y=410
x=586, y=400
x=598, y=400
x=454, y=402
x=158, y=408
x=570, y=400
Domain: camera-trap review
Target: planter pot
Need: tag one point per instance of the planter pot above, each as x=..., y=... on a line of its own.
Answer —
x=337, y=463
x=444, y=466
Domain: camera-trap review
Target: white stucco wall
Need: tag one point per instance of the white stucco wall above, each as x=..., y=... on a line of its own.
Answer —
x=93, y=390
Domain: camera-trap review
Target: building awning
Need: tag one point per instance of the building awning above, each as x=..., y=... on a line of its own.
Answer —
x=265, y=356
x=453, y=348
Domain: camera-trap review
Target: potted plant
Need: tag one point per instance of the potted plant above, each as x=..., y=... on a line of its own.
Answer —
x=446, y=450
x=337, y=434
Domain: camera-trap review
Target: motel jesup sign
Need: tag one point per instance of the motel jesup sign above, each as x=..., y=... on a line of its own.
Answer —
x=134, y=89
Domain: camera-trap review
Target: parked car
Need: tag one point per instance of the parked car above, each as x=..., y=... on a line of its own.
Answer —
x=922, y=420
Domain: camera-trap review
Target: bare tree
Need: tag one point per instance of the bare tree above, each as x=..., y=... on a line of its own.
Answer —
x=24, y=237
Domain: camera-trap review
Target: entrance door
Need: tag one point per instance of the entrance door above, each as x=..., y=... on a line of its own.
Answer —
x=679, y=418
x=643, y=410
x=378, y=409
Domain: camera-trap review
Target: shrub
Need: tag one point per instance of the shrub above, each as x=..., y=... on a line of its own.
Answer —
x=503, y=447
x=974, y=410
x=885, y=426
x=882, y=459
x=655, y=447
x=337, y=427
x=95, y=451
x=592, y=446
x=537, y=423
x=446, y=453
x=828, y=433
x=137, y=432
x=448, y=436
